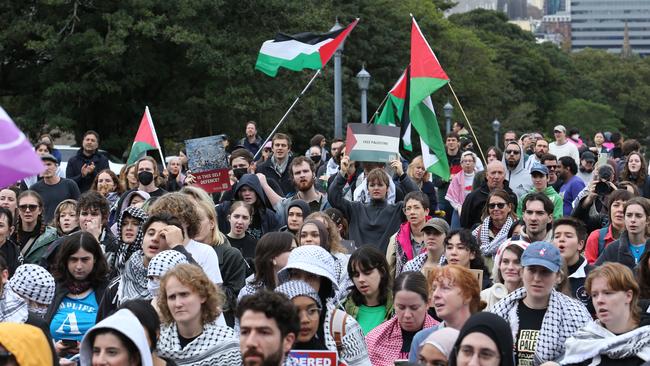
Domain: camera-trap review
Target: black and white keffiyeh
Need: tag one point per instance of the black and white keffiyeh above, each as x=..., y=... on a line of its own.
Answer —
x=164, y=261
x=218, y=345
x=594, y=340
x=482, y=232
x=34, y=283
x=124, y=251
x=298, y=288
x=564, y=316
x=355, y=350
x=133, y=280
x=13, y=308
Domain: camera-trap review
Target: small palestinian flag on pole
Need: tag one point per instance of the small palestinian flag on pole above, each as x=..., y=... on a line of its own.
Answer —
x=300, y=51
x=427, y=76
x=394, y=109
x=145, y=140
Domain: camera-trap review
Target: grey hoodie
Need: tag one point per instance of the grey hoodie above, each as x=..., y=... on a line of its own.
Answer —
x=519, y=177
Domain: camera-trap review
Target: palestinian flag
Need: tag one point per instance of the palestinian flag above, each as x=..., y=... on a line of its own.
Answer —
x=300, y=51
x=427, y=76
x=394, y=110
x=145, y=139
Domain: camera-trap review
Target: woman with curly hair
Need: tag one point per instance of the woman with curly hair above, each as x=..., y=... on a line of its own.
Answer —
x=109, y=185
x=189, y=304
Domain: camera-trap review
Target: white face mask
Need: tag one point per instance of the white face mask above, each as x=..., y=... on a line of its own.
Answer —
x=153, y=286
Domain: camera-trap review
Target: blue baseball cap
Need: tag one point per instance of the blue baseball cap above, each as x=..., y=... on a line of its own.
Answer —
x=542, y=253
x=539, y=168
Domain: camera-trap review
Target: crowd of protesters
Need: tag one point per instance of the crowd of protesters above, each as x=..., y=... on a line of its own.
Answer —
x=537, y=256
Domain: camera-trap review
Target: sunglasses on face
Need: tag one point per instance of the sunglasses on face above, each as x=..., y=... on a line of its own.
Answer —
x=499, y=205
x=513, y=152
x=24, y=208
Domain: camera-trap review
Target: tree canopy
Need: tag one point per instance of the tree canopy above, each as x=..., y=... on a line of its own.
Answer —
x=84, y=64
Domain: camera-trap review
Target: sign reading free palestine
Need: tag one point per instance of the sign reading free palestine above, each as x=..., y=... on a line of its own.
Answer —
x=370, y=142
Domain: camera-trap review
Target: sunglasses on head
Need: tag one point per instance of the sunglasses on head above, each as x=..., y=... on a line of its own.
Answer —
x=26, y=207
x=499, y=205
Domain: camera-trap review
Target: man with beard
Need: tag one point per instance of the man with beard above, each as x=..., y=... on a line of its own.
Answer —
x=302, y=172
x=268, y=323
x=586, y=170
x=540, y=148
x=518, y=177
x=252, y=142
x=572, y=185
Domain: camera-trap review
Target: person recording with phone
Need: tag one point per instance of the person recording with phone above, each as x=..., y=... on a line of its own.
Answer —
x=590, y=206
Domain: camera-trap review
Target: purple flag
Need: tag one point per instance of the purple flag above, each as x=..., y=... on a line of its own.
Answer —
x=17, y=157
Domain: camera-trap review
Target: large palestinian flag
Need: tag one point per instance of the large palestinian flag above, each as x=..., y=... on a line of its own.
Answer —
x=394, y=109
x=427, y=76
x=300, y=51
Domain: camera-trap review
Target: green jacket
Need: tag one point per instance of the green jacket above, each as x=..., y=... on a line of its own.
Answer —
x=40, y=245
x=555, y=197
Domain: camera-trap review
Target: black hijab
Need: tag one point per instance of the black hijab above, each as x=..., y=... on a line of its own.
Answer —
x=492, y=326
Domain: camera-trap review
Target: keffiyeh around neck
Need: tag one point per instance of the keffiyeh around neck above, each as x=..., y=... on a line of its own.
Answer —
x=594, y=340
x=217, y=345
x=125, y=250
x=133, y=281
x=489, y=247
x=13, y=308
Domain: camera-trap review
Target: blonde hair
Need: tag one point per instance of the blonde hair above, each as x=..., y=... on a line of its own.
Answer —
x=63, y=205
x=411, y=168
x=206, y=204
x=192, y=276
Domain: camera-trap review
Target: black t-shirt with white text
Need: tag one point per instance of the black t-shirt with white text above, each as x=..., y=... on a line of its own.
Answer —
x=530, y=323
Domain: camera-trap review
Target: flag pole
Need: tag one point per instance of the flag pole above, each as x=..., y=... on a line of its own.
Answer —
x=155, y=136
x=287, y=113
x=467, y=120
x=378, y=108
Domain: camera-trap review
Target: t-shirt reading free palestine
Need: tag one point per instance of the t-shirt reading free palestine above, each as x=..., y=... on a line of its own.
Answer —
x=530, y=322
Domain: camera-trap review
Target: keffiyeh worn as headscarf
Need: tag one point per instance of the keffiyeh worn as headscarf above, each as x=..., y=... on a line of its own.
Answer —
x=133, y=280
x=297, y=288
x=13, y=308
x=164, y=261
x=489, y=247
x=34, y=283
x=125, y=250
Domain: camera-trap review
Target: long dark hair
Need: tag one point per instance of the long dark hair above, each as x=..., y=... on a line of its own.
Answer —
x=366, y=259
x=268, y=247
x=70, y=245
x=131, y=349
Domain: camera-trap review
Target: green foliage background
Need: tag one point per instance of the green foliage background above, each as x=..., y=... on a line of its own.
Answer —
x=82, y=64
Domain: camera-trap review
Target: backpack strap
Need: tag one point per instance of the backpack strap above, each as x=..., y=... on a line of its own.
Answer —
x=337, y=328
x=601, y=239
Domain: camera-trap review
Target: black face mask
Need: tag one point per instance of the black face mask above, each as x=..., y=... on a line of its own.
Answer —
x=239, y=172
x=315, y=158
x=145, y=178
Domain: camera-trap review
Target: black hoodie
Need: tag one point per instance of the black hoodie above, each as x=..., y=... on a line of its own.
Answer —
x=264, y=216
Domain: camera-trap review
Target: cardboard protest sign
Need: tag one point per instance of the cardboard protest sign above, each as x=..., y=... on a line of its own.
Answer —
x=370, y=142
x=208, y=162
x=315, y=358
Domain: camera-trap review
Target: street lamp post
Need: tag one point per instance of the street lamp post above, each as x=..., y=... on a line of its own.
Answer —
x=338, y=87
x=363, y=80
x=448, y=109
x=496, y=125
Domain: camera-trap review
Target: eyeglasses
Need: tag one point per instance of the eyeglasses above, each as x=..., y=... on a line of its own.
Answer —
x=312, y=313
x=24, y=208
x=513, y=152
x=499, y=205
